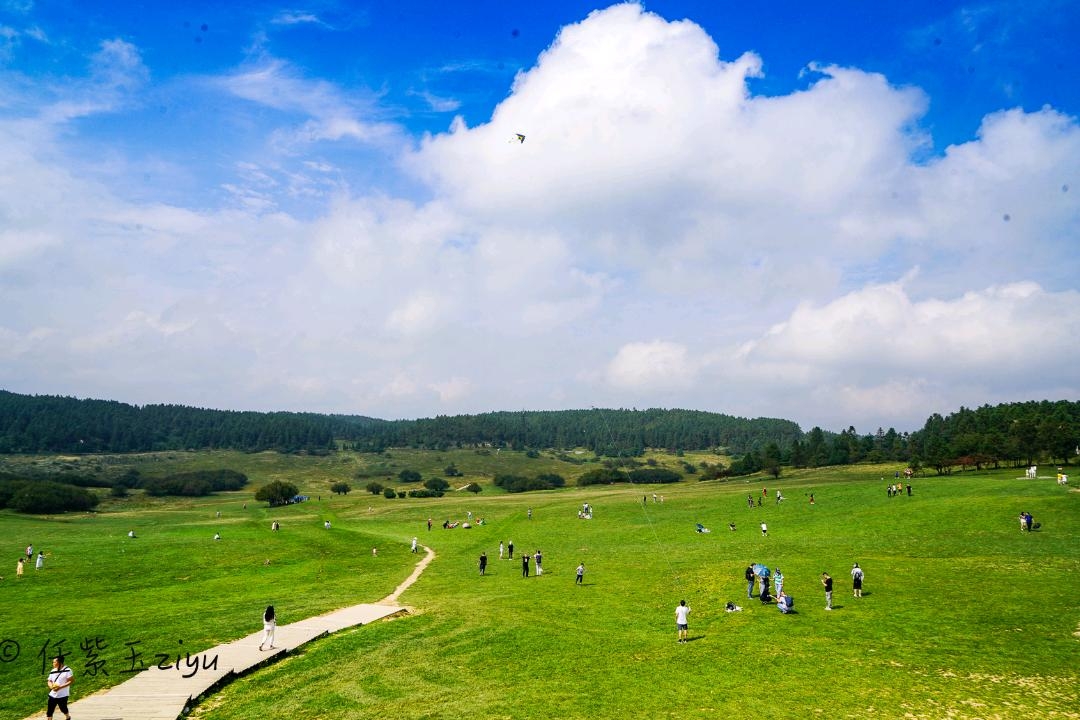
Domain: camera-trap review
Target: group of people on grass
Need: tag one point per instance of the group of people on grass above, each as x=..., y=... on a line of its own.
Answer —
x=21, y=563
x=760, y=575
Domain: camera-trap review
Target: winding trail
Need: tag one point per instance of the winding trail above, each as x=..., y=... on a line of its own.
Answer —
x=156, y=694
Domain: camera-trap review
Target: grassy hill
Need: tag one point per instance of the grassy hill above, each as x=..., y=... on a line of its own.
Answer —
x=962, y=616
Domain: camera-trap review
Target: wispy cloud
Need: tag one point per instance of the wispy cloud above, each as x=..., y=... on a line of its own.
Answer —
x=325, y=111
x=297, y=17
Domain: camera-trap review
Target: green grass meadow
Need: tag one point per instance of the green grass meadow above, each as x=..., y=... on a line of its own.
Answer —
x=963, y=616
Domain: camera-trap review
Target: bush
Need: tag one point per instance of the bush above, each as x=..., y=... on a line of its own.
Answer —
x=85, y=481
x=473, y=488
x=340, y=488
x=425, y=493
x=436, y=484
x=119, y=490
x=389, y=493
x=555, y=481
x=374, y=488
x=409, y=476
x=45, y=496
x=602, y=476
x=518, y=483
x=277, y=492
x=196, y=483
x=129, y=479
x=177, y=485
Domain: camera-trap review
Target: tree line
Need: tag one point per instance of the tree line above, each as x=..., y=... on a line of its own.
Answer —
x=1011, y=433
x=44, y=424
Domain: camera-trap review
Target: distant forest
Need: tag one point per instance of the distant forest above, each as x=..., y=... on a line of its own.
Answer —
x=1014, y=433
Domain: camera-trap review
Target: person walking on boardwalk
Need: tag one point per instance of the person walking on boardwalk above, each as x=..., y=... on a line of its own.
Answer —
x=269, y=627
x=59, y=682
x=682, y=625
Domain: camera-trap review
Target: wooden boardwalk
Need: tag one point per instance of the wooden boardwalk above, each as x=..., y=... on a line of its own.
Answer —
x=156, y=694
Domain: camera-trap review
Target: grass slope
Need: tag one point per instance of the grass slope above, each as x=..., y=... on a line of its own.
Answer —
x=962, y=615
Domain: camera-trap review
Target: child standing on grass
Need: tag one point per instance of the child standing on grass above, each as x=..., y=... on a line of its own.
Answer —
x=826, y=580
x=580, y=574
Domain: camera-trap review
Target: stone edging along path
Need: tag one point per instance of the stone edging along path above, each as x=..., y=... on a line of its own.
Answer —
x=156, y=694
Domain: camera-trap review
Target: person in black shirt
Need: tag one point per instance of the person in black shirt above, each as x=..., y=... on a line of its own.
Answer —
x=826, y=580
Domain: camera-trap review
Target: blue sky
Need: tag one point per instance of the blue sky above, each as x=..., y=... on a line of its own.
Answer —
x=854, y=214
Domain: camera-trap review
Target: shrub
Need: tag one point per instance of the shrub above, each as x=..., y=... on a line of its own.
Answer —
x=518, y=483
x=389, y=493
x=602, y=476
x=555, y=481
x=85, y=481
x=409, y=476
x=119, y=490
x=436, y=484
x=196, y=483
x=277, y=492
x=340, y=488
x=425, y=493
x=473, y=488
x=129, y=479
x=374, y=488
x=176, y=485
x=49, y=497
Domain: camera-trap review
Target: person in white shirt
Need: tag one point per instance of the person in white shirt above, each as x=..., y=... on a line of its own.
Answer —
x=681, y=622
x=59, y=682
x=269, y=627
x=856, y=580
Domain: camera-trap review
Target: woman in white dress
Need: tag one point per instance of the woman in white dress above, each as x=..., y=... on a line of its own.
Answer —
x=269, y=626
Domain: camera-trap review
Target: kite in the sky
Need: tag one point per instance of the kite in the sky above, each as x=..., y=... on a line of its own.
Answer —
x=519, y=137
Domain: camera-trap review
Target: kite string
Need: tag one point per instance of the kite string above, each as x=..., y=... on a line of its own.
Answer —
x=644, y=507
x=663, y=550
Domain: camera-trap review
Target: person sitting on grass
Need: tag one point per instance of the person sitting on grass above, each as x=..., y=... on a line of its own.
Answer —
x=784, y=602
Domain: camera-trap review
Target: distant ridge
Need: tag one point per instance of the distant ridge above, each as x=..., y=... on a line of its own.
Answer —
x=47, y=423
